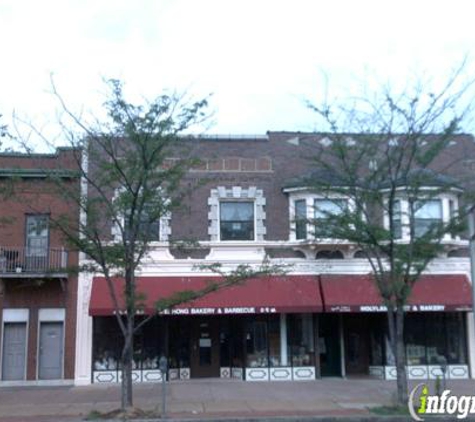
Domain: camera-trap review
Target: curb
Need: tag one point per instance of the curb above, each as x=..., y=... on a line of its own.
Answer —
x=371, y=418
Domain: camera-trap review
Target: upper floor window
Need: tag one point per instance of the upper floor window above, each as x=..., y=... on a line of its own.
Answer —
x=301, y=219
x=236, y=220
x=397, y=222
x=421, y=215
x=37, y=235
x=426, y=214
x=153, y=225
x=148, y=228
x=324, y=209
x=236, y=214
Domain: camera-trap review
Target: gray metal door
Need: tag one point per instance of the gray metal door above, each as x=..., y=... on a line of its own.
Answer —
x=51, y=351
x=14, y=351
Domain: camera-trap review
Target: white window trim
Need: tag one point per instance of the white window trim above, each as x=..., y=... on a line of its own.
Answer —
x=236, y=193
x=309, y=199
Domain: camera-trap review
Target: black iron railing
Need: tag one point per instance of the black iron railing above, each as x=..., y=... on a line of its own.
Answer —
x=32, y=260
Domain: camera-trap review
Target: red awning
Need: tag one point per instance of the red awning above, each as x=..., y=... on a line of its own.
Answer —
x=358, y=293
x=262, y=295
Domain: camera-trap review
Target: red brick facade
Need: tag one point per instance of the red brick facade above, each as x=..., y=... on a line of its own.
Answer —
x=46, y=285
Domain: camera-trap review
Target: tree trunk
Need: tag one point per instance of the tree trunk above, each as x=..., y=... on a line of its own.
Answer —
x=400, y=356
x=396, y=339
x=127, y=359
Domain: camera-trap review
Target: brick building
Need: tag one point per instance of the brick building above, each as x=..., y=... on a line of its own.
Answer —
x=38, y=296
x=324, y=318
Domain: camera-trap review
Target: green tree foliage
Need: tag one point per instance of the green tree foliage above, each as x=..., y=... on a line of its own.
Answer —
x=379, y=154
x=131, y=166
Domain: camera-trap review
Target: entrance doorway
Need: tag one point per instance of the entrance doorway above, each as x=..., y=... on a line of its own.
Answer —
x=329, y=345
x=14, y=351
x=51, y=351
x=204, y=348
x=357, y=344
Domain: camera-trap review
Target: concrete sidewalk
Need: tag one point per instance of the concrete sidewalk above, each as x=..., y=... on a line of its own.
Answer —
x=209, y=398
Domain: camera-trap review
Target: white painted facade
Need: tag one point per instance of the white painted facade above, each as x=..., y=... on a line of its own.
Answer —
x=161, y=263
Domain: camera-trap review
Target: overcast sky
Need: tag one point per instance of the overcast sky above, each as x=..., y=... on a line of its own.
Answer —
x=259, y=59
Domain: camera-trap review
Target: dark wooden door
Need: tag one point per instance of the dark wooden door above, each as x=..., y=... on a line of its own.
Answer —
x=356, y=344
x=205, y=348
x=329, y=345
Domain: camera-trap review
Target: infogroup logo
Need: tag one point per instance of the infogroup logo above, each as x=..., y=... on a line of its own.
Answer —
x=421, y=403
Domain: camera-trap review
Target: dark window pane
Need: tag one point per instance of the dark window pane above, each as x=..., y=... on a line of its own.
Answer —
x=300, y=339
x=237, y=345
x=301, y=219
x=179, y=343
x=456, y=338
x=256, y=344
x=397, y=228
x=274, y=340
x=415, y=338
x=37, y=228
x=436, y=339
x=237, y=220
x=147, y=229
x=107, y=343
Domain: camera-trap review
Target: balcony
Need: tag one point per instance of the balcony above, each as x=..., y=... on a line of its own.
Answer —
x=33, y=262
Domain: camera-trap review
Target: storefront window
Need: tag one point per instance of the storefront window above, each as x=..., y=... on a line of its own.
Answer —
x=237, y=345
x=256, y=343
x=300, y=338
x=456, y=339
x=107, y=344
x=274, y=340
x=377, y=332
x=415, y=338
x=150, y=344
x=436, y=339
x=179, y=343
x=224, y=343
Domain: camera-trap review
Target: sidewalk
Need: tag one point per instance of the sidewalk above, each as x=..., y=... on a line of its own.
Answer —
x=209, y=398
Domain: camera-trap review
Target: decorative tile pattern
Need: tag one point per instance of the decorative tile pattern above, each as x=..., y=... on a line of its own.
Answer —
x=280, y=374
x=377, y=371
x=417, y=372
x=303, y=373
x=151, y=375
x=458, y=372
x=185, y=373
x=173, y=374
x=237, y=373
x=257, y=374
x=390, y=373
x=434, y=371
x=104, y=377
x=225, y=372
